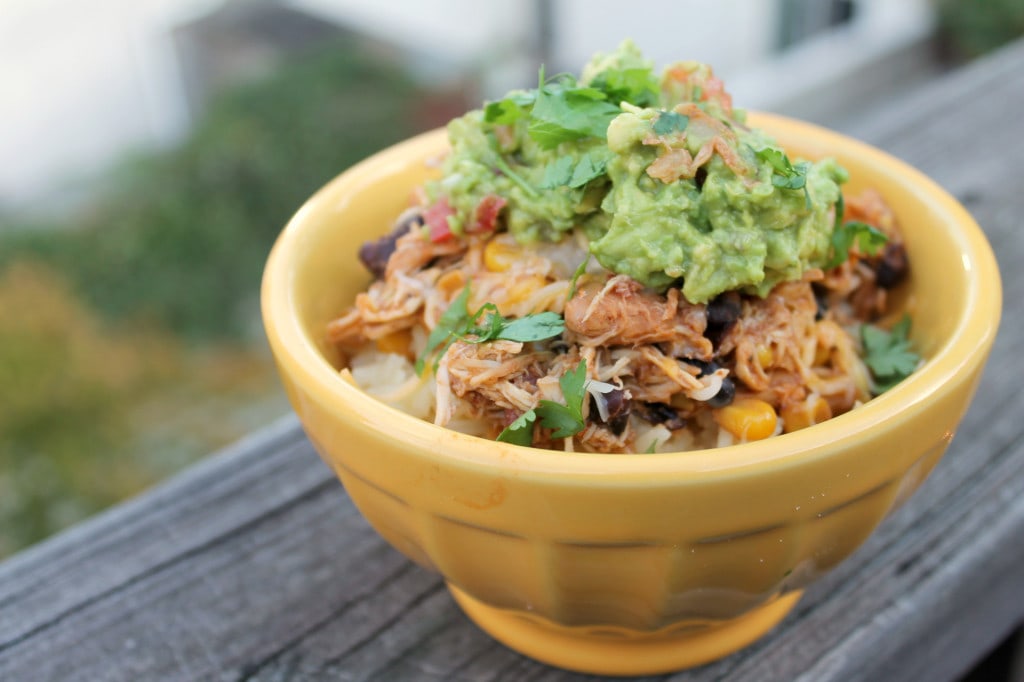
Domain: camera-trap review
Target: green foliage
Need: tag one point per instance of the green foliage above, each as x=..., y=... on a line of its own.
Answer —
x=94, y=412
x=123, y=348
x=181, y=237
x=973, y=28
x=61, y=379
x=563, y=420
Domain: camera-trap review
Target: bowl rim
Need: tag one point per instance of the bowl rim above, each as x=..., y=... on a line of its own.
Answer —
x=298, y=356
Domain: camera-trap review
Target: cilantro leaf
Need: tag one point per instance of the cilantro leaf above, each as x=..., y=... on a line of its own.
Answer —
x=566, y=172
x=509, y=110
x=492, y=324
x=868, y=238
x=566, y=420
x=532, y=327
x=456, y=322
x=536, y=327
x=887, y=354
x=452, y=322
x=559, y=419
x=795, y=179
x=776, y=158
x=637, y=86
x=573, y=386
x=670, y=122
x=520, y=432
x=563, y=420
x=592, y=165
x=785, y=174
x=580, y=269
x=564, y=111
x=557, y=174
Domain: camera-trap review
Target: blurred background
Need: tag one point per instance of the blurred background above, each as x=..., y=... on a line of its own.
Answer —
x=151, y=150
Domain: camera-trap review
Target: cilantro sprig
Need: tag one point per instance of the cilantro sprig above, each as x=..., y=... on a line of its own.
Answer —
x=560, y=109
x=510, y=109
x=637, y=86
x=565, y=111
x=869, y=239
x=533, y=327
x=563, y=420
x=580, y=269
x=567, y=171
x=456, y=322
x=888, y=355
x=669, y=122
x=786, y=174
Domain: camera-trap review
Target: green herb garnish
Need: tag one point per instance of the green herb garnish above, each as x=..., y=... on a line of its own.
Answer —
x=568, y=172
x=520, y=432
x=564, y=420
x=869, y=240
x=580, y=269
x=670, y=122
x=561, y=110
x=565, y=111
x=511, y=109
x=637, y=86
x=887, y=354
x=785, y=174
x=458, y=323
x=533, y=327
x=452, y=321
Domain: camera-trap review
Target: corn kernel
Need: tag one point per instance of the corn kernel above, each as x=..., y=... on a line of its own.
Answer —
x=822, y=355
x=747, y=419
x=809, y=412
x=395, y=342
x=523, y=289
x=500, y=254
x=450, y=283
x=765, y=356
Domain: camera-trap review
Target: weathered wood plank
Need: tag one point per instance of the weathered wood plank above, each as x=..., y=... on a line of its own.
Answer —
x=255, y=565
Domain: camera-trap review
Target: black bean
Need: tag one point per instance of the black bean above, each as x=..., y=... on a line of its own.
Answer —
x=704, y=367
x=618, y=403
x=722, y=311
x=375, y=253
x=892, y=267
x=725, y=394
x=699, y=177
x=619, y=407
x=821, y=301
x=660, y=413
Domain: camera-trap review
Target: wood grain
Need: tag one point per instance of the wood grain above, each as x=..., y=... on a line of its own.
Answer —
x=254, y=565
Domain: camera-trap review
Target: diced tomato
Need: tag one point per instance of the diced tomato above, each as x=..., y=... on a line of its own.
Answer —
x=436, y=220
x=714, y=89
x=485, y=217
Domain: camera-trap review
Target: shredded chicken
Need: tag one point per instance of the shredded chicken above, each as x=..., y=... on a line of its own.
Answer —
x=658, y=367
x=622, y=313
x=713, y=135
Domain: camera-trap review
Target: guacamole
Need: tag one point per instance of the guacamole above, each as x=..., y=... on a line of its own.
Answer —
x=661, y=173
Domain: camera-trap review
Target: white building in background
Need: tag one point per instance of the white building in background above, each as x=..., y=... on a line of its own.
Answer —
x=82, y=82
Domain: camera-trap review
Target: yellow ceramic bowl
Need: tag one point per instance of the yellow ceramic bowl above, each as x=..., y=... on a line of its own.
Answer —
x=643, y=563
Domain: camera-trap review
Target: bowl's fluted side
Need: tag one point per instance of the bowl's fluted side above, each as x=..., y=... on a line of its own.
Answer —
x=693, y=551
